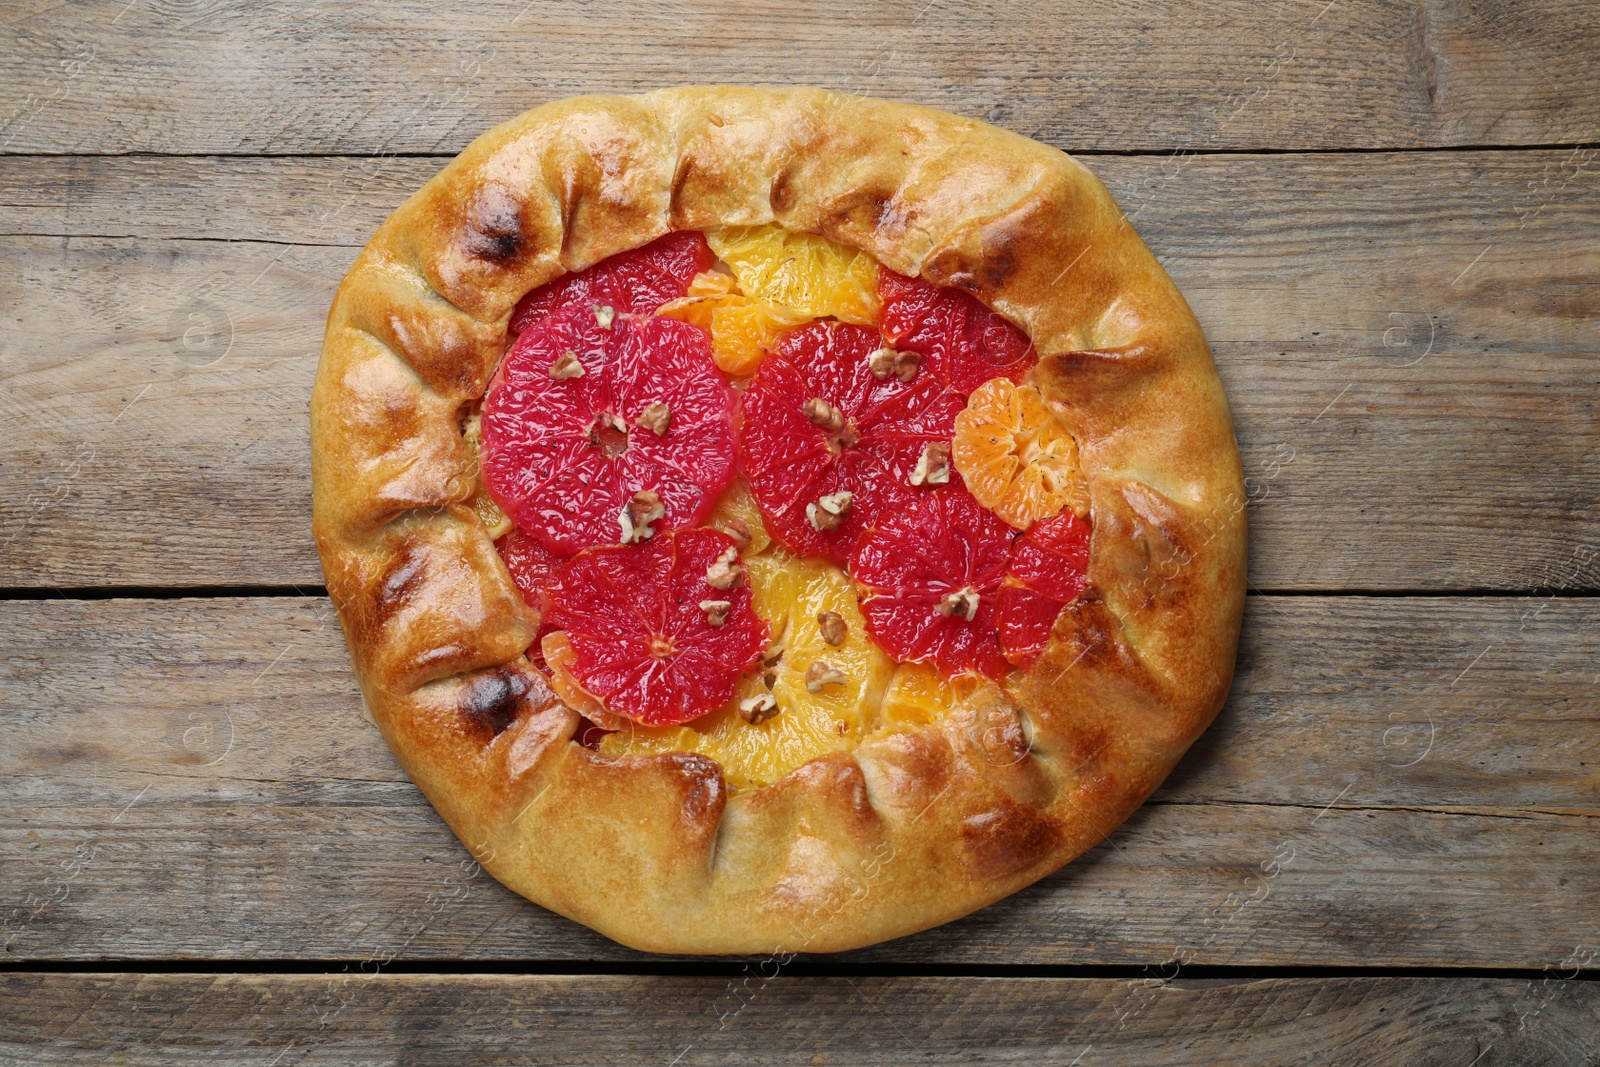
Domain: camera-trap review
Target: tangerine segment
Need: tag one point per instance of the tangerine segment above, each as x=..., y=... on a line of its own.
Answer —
x=962, y=342
x=1049, y=569
x=564, y=450
x=930, y=577
x=637, y=281
x=788, y=594
x=643, y=644
x=801, y=271
x=793, y=459
x=1015, y=456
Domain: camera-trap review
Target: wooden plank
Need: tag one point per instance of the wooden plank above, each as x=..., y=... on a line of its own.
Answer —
x=153, y=409
x=768, y=1017
x=240, y=77
x=1396, y=781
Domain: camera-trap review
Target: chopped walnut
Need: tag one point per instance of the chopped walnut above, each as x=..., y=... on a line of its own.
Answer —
x=933, y=466
x=716, y=611
x=637, y=515
x=725, y=571
x=834, y=628
x=566, y=366
x=962, y=605
x=605, y=315
x=829, y=512
x=739, y=530
x=758, y=709
x=823, y=414
x=822, y=673
x=886, y=361
x=654, y=418
x=771, y=656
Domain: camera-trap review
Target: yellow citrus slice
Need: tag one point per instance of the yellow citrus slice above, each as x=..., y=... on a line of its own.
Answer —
x=918, y=694
x=802, y=271
x=737, y=513
x=1015, y=456
x=743, y=330
x=494, y=520
x=790, y=594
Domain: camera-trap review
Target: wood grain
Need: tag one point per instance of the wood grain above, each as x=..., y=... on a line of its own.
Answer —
x=768, y=1017
x=1421, y=323
x=229, y=76
x=1395, y=779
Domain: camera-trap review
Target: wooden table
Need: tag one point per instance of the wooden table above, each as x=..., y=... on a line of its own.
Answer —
x=1387, y=217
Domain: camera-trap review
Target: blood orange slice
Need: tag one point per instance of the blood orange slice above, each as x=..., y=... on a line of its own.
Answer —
x=930, y=577
x=1015, y=456
x=643, y=642
x=962, y=342
x=582, y=416
x=637, y=281
x=827, y=445
x=1049, y=569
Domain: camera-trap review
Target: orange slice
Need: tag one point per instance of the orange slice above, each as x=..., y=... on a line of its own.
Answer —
x=1015, y=456
x=789, y=594
x=918, y=694
x=801, y=271
x=736, y=513
x=743, y=330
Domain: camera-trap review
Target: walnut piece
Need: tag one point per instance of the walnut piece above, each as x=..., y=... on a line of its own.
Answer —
x=962, y=605
x=725, y=571
x=886, y=361
x=758, y=709
x=823, y=414
x=605, y=315
x=829, y=512
x=566, y=366
x=654, y=418
x=637, y=515
x=933, y=466
x=739, y=530
x=822, y=673
x=834, y=628
x=716, y=611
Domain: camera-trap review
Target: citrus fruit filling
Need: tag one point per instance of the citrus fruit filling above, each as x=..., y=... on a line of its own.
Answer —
x=829, y=445
x=961, y=342
x=1015, y=456
x=772, y=498
x=601, y=428
x=653, y=635
x=636, y=281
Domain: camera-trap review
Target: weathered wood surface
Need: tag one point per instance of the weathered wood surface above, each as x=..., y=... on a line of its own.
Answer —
x=1423, y=323
x=769, y=1018
x=231, y=76
x=1395, y=779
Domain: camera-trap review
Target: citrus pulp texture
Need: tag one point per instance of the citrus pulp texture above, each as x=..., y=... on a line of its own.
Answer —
x=791, y=461
x=637, y=281
x=641, y=642
x=564, y=455
x=962, y=343
x=1049, y=569
x=1015, y=456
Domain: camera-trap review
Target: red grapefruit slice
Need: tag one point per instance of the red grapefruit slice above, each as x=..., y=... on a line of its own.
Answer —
x=637, y=281
x=582, y=416
x=961, y=342
x=930, y=578
x=642, y=642
x=816, y=423
x=1049, y=569
x=533, y=569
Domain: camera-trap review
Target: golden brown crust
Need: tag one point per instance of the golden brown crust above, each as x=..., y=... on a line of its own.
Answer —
x=909, y=830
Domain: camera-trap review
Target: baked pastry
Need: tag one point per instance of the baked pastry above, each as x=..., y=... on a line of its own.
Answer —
x=871, y=486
